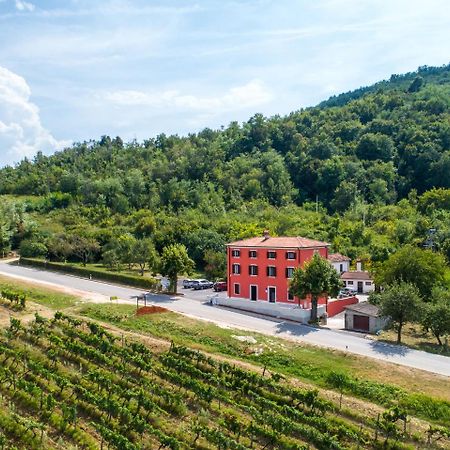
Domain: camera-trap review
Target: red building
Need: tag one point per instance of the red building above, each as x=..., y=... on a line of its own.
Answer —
x=260, y=268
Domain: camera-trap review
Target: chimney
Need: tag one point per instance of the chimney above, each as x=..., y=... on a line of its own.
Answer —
x=358, y=265
x=266, y=235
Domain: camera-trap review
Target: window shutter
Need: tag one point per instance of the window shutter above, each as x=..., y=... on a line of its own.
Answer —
x=256, y=270
x=274, y=271
x=287, y=272
x=268, y=271
x=249, y=270
x=239, y=269
x=287, y=255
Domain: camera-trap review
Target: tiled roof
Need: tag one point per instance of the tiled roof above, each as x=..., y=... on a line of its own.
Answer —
x=365, y=308
x=337, y=257
x=279, y=242
x=356, y=275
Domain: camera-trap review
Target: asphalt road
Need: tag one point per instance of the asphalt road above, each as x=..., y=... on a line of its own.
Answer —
x=195, y=307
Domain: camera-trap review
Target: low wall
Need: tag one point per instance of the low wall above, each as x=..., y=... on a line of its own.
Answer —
x=288, y=312
x=337, y=306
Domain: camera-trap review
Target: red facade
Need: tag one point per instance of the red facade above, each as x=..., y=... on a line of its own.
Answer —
x=261, y=268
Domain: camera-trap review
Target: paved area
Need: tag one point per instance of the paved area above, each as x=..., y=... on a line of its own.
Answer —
x=194, y=307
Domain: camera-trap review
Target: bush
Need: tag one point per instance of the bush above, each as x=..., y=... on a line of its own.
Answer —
x=85, y=272
x=32, y=249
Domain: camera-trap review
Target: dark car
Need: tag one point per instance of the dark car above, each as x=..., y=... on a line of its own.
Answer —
x=202, y=284
x=220, y=286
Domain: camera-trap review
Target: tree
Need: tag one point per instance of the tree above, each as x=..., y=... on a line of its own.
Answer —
x=84, y=247
x=410, y=264
x=437, y=314
x=401, y=303
x=416, y=84
x=317, y=278
x=216, y=264
x=144, y=254
x=5, y=239
x=373, y=146
x=175, y=260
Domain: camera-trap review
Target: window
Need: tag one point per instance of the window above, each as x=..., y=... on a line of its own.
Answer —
x=368, y=283
x=253, y=270
x=289, y=272
x=271, y=254
x=271, y=271
x=235, y=253
x=290, y=297
x=341, y=267
x=290, y=255
x=350, y=283
x=252, y=254
x=236, y=269
x=237, y=288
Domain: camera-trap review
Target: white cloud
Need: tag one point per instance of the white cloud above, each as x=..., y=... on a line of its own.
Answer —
x=24, y=6
x=251, y=94
x=21, y=132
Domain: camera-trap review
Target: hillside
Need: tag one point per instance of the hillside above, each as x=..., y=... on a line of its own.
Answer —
x=366, y=171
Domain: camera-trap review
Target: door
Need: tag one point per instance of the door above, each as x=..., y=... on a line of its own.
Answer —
x=360, y=287
x=360, y=322
x=272, y=294
x=253, y=292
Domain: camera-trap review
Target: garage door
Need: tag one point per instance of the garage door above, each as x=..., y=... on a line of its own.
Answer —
x=361, y=323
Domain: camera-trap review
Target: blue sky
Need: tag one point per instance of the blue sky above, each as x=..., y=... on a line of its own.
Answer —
x=75, y=70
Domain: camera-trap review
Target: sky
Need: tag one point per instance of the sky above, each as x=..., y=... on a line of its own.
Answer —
x=75, y=70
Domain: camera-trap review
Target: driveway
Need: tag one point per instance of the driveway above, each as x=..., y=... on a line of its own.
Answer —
x=192, y=305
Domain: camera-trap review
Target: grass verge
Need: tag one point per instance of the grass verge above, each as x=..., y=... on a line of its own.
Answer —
x=46, y=297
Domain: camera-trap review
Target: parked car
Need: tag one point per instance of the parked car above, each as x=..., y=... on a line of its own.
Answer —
x=346, y=293
x=188, y=283
x=220, y=286
x=202, y=284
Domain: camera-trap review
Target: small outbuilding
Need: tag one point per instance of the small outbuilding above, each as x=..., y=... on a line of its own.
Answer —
x=364, y=317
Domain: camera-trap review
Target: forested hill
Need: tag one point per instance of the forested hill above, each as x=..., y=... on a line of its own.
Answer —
x=382, y=143
x=379, y=147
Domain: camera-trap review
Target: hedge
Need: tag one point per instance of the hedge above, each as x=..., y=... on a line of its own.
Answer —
x=147, y=283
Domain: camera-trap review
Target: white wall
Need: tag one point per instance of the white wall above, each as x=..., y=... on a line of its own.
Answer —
x=282, y=311
x=354, y=286
x=345, y=266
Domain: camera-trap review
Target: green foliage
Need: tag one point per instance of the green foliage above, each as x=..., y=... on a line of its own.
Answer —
x=32, y=249
x=86, y=272
x=401, y=303
x=422, y=268
x=17, y=299
x=436, y=315
x=316, y=279
x=175, y=260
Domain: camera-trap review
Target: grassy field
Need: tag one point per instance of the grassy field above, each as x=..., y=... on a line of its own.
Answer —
x=414, y=336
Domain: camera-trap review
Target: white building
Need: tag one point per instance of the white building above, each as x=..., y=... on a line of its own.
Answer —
x=358, y=280
x=340, y=262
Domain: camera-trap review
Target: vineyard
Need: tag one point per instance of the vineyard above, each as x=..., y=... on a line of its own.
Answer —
x=69, y=383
